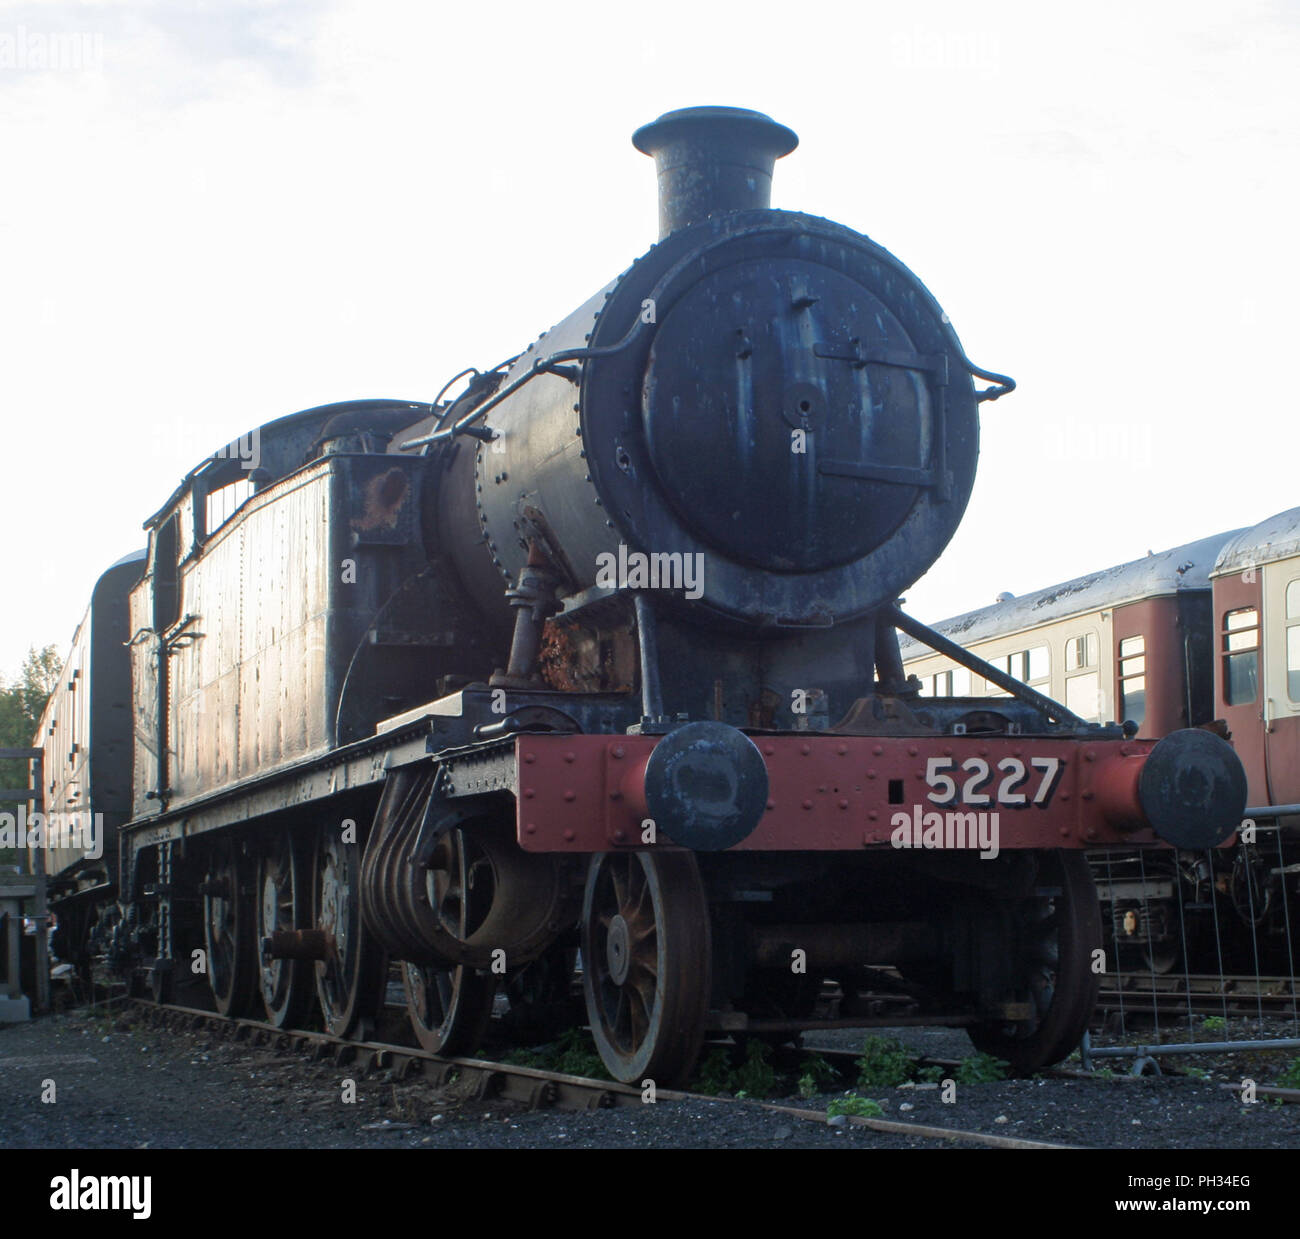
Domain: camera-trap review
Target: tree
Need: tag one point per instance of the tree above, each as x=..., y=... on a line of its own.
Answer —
x=21, y=704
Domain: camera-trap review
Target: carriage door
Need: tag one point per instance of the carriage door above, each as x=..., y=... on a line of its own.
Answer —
x=1282, y=679
x=1239, y=699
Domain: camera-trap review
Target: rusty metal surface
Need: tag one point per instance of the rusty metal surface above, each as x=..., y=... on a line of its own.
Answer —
x=580, y=793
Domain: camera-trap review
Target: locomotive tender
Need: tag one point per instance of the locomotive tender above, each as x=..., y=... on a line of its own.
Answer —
x=399, y=693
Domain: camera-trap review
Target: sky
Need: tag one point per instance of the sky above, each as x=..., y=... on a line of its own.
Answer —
x=214, y=214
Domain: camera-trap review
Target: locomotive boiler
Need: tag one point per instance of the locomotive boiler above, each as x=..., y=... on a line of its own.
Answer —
x=600, y=656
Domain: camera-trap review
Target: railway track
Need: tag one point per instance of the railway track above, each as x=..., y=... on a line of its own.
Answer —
x=1209, y=994
x=481, y=1079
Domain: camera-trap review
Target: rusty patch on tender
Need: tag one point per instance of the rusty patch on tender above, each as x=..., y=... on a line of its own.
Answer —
x=385, y=497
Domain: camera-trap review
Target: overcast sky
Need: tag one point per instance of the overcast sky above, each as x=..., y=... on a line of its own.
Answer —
x=216, y=214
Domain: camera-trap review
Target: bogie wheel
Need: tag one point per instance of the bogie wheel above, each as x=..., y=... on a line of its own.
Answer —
x=228, y=931
x=450, y=1007
x=1056, y=936
x=646, y=956
x=350, y=980
x=284, y=904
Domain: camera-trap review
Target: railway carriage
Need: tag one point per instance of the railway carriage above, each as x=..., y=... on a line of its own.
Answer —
x=1129, y=643
x=1204, y=635
x=406, y=692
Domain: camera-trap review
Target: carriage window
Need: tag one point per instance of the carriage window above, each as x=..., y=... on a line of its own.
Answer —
x=1027, y=666
x=1132, y=680
x=1293, y=662
x=1293, y=640
x=1081, y=652
x=1083, y=697
x=1240, y=656
x=954, y=683
x=1039, y=663
x=1003, y=663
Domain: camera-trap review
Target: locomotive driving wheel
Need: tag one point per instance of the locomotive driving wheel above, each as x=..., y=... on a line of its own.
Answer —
x=450, y=1007
x=350, y=979
x=1057, y=930
x=284, y=903
x=646, y=958
x=227, y=931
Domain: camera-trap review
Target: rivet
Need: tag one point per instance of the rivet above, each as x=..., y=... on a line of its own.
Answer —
x=617, y=752
x=570, y=756
x=807, y=804
x=569, y=835
x=844, y=804
x=571, y=795
x=877, y=750
x=872, y=815
x=529, y=793
x=1089, y=756
x=805, y=749
x=911, y=750
x=529, y=758
x=769, y=749
x=871, y=774
x=771, y=804
x=841, y=749
x=620, y=836
x=530, y=828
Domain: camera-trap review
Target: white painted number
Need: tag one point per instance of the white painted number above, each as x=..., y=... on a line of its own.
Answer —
x=975, y=790
x=946, y=789
x=1051, y=767
x=1014, y=769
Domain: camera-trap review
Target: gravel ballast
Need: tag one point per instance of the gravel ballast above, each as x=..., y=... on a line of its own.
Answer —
x=116, y=1082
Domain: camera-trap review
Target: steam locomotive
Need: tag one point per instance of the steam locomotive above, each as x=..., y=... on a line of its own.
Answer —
x=600, y=655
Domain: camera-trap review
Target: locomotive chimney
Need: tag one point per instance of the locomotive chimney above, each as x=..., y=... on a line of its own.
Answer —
x=711, y=160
